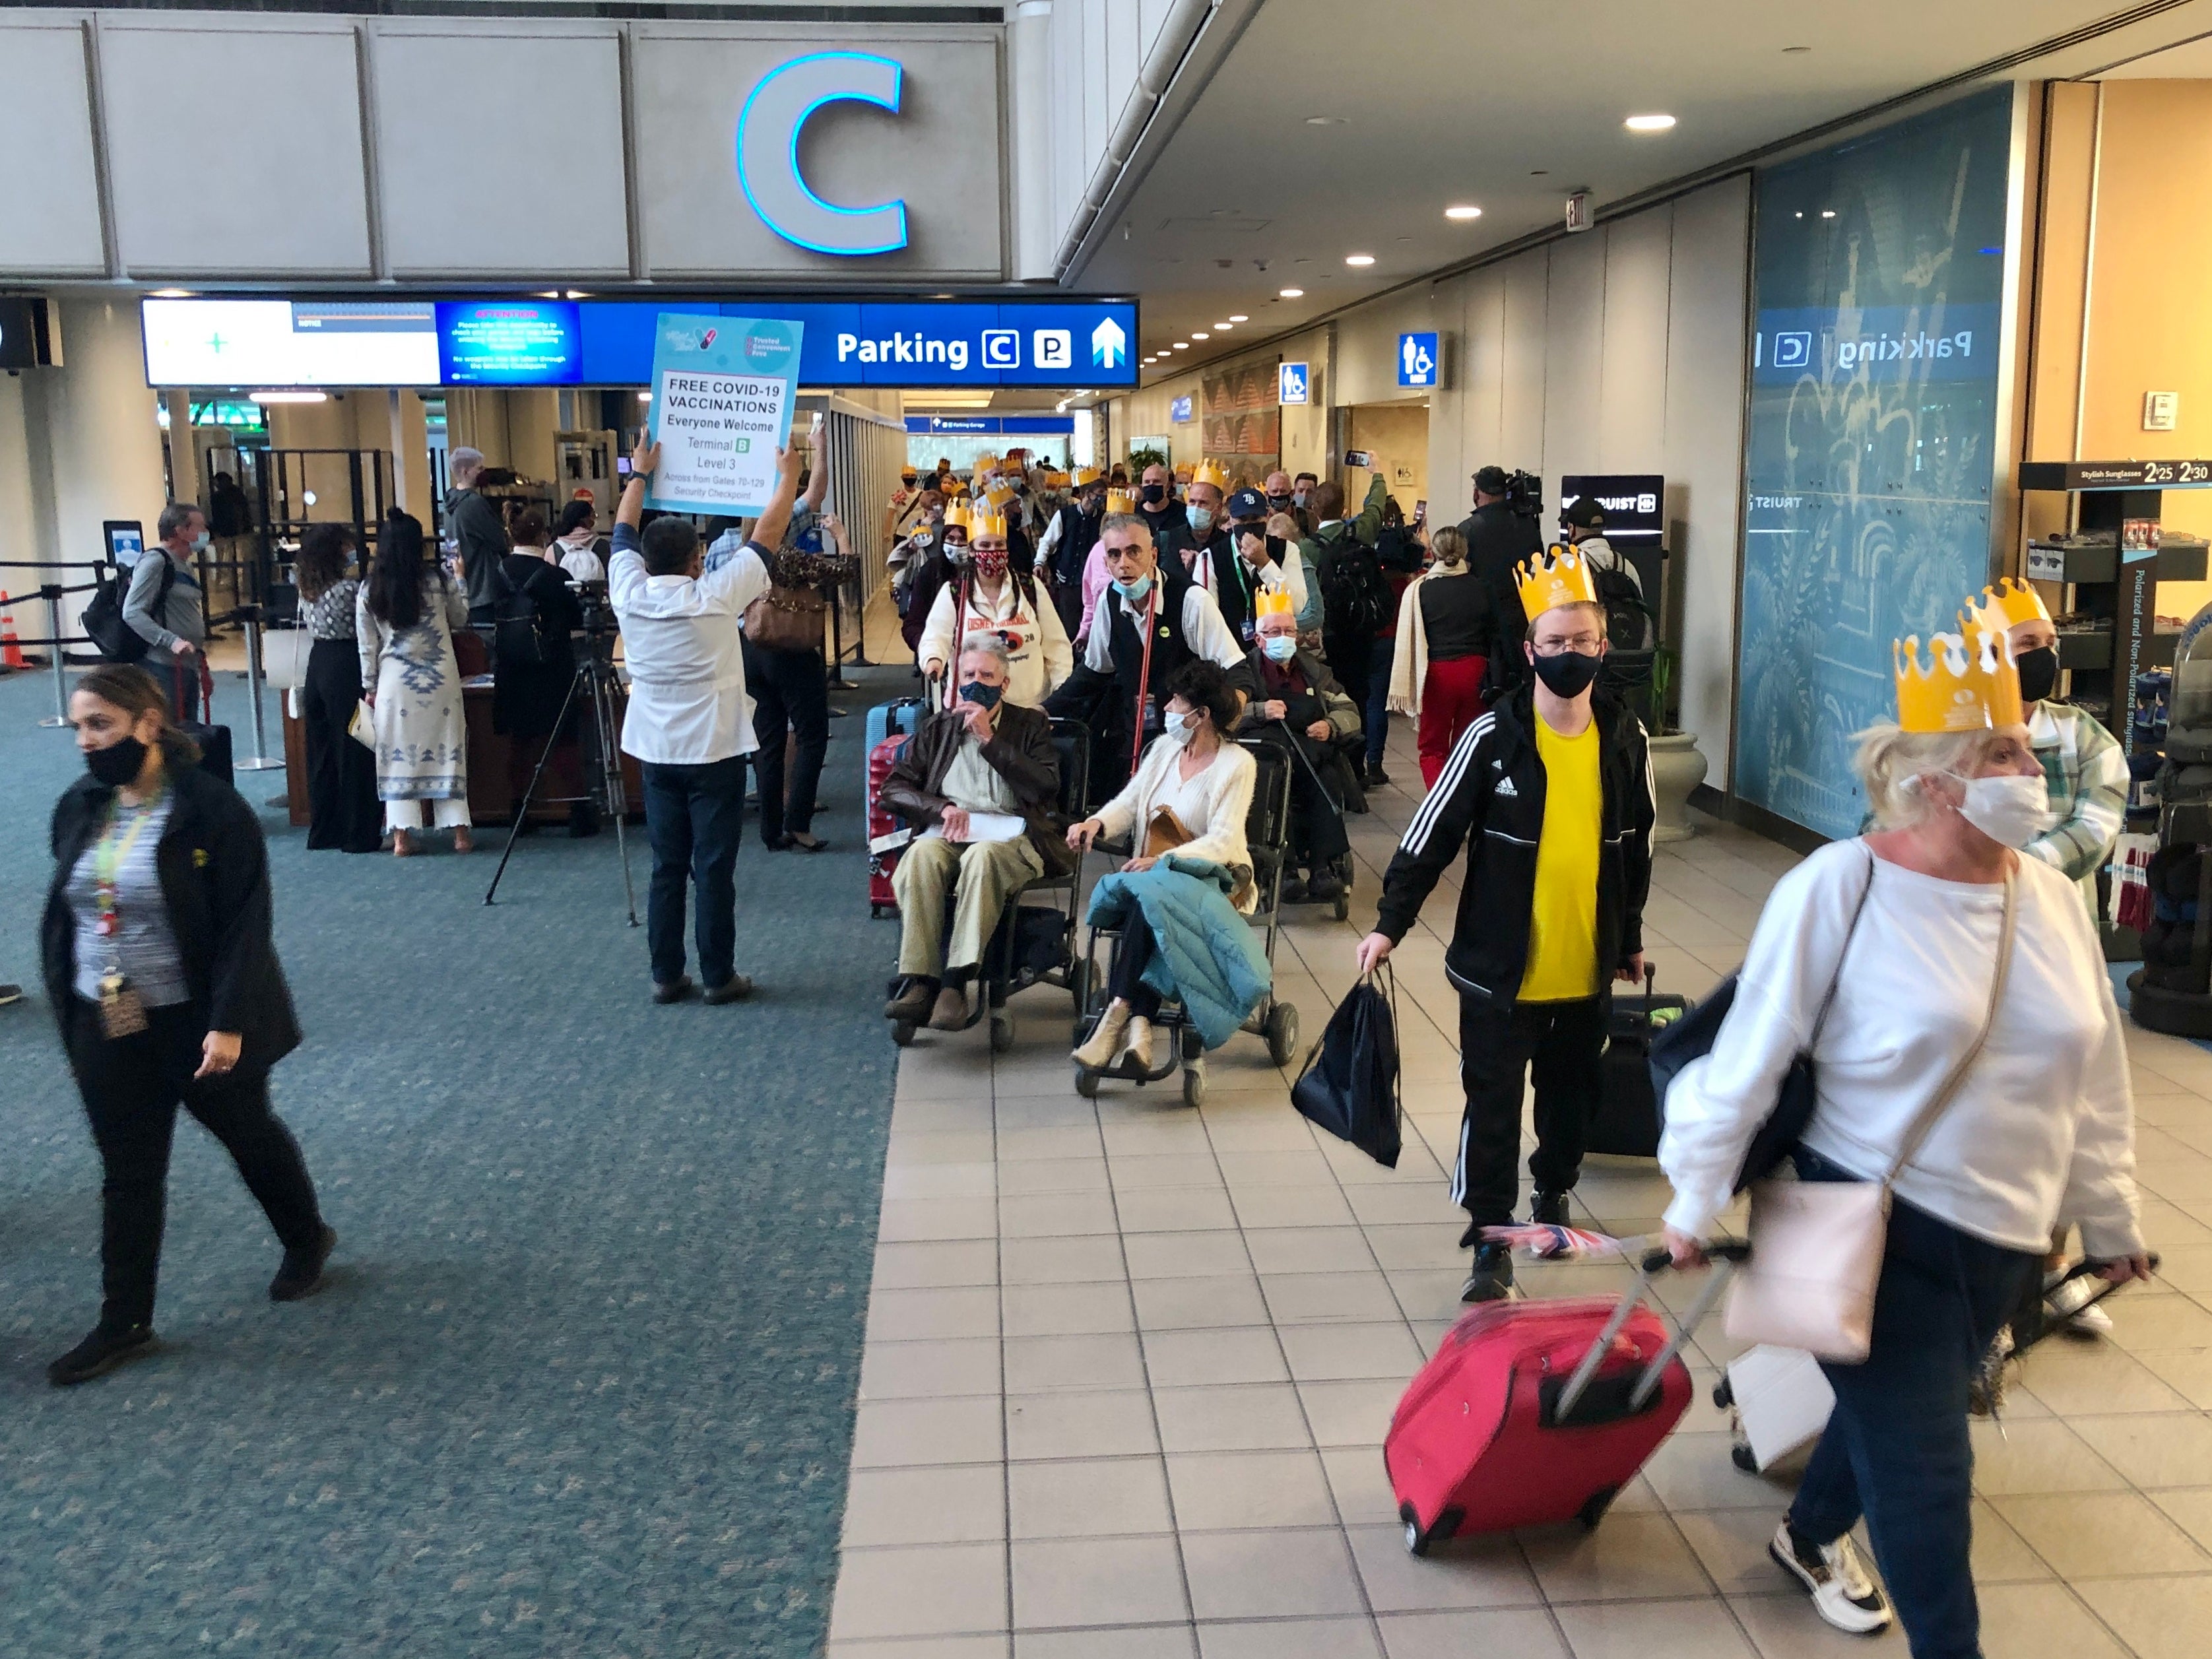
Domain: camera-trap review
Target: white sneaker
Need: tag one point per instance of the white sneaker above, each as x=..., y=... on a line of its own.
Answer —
x=1843, y=1593
x=2092, y=1321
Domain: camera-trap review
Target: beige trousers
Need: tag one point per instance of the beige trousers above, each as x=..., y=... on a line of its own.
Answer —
x=982, y=876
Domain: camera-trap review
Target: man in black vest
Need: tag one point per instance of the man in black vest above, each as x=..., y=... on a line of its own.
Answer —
x=1151, y=620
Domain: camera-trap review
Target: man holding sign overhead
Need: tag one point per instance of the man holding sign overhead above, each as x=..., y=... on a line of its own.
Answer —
x=689, y=722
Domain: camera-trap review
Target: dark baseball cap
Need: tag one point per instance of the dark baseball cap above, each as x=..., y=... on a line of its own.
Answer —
x=1247, y=504
x=1583, y=513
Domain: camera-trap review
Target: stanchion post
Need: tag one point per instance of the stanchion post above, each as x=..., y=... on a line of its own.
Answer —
x=860, y=615
x=261, y=761
x=51, y=594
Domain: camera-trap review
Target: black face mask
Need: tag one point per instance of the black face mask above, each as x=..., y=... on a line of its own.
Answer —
x=976, y=692
x=1280, y=503
x=2038, y=673
x=1567, y=675
x=1155, y=493
x=119, y=764
x=1275, y=545
x=1092, y=506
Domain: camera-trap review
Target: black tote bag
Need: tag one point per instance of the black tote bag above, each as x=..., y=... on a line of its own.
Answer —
x=1350, y=1083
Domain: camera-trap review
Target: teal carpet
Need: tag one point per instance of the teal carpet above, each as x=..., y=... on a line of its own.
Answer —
x=583, y=1381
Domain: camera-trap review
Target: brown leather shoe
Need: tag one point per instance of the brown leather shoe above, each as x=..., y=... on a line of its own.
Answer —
x=912, y=1005
x=951, y=1012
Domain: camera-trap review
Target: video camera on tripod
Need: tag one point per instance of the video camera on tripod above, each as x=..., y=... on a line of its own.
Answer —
x=1524, y=494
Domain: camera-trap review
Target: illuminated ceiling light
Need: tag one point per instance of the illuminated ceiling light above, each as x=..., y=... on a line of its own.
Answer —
x=1222, y=328
x=550, y=294
x=173, y=293
x=1199, y=334
x=1827, y=213
x=1325, y=120
x=1359, y=258
x=1294, y=294
x=1183, y=345
x=578, y=293
x=1238, y=317
x=1649, y=123
x=289, y=397
x=645, y=396
x=1463, y=212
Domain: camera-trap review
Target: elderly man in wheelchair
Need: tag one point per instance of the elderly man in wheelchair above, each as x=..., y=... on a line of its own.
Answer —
x=978, y=784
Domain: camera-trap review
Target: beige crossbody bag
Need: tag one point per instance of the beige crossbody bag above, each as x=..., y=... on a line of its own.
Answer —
x=1816, y=1246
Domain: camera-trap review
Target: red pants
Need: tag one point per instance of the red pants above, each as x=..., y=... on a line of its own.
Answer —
x=1451, y=700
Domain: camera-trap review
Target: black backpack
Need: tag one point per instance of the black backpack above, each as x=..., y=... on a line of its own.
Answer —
x=102, y=617
x=1629, y=625
x=1355, y=596
x=518, y=630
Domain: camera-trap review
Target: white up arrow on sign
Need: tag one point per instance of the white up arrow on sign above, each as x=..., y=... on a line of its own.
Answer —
x=1109, y=346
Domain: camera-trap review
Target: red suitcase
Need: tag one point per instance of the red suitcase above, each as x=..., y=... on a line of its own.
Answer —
x=1538, y=1412
x=881, y=824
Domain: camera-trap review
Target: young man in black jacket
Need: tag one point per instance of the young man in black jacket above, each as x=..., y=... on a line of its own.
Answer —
x=1552, y=791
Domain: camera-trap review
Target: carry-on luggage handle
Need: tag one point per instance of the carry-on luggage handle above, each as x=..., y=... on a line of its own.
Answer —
x=1727, y=1253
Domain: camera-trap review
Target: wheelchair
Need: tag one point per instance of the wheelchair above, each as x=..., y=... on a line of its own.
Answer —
x=1266, y=832
x=1033, y=944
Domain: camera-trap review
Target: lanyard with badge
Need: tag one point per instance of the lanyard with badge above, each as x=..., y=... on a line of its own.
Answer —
x=122, y=1013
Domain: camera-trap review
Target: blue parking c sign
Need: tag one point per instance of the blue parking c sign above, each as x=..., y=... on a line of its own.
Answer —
x=1417, y=360
x=1290, y=383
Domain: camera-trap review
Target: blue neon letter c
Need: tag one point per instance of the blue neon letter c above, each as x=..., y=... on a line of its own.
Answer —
x=768, y=152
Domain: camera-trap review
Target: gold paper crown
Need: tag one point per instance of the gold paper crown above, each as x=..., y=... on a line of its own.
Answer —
x=2004, y=606
x=1970, y=685
x=1553, y=579
x=1000, y=498
x=987, y=523
x=1120, y=501
x=985, y=463
x=1272, y=602
x=1086, y=476
x=1209, y=472
x=957, y=516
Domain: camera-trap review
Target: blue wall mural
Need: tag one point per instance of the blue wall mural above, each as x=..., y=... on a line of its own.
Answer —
x=1877, y=278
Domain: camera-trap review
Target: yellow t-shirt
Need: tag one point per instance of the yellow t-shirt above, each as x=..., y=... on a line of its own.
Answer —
x=1563, y=916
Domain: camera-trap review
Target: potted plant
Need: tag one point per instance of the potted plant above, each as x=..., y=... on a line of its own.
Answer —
x=1677, y=767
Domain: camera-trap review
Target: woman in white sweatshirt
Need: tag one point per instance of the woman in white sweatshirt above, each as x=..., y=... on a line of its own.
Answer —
x=1904, y=923
x=1195, y=785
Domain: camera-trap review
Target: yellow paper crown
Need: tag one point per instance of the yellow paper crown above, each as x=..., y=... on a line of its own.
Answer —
x=1120, y=501
x=1970, y=684
x=1553, y=579
x=1209, y=472
x=2004, y=606
x=985, y=463
x=1086, y=476
x=999, y=498
x=987, y=523
x=1272, y=602
x=957, y=516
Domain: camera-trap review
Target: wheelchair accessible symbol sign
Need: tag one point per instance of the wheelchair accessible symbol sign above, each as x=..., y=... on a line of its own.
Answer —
x=1290, y=383
x=1417, y=360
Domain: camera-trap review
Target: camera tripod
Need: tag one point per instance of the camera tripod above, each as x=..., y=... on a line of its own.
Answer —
x=595, y=678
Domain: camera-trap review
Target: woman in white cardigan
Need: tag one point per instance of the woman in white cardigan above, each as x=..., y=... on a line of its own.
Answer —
x=1905, y=923
x=1193, y=773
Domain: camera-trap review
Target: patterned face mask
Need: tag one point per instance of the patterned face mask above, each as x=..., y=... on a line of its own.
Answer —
x=990, y=562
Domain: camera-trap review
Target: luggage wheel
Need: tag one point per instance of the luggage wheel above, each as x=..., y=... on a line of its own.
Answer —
x=1193, y=1086
x=1724, y=1394
x=1086, y=1081
x=1743, y=1457
x=1419, y=1542
x=1594, y=1511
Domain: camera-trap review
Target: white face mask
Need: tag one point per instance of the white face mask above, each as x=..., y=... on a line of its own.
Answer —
x=2009, y=808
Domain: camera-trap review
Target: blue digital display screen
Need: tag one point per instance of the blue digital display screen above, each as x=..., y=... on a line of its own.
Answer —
x=511, y=343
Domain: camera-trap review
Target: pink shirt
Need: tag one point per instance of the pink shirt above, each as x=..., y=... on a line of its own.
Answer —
x=1094, y=583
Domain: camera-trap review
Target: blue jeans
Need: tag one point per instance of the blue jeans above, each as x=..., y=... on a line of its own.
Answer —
x=1377, y=712
x=1896, y=1448
x=695, y=817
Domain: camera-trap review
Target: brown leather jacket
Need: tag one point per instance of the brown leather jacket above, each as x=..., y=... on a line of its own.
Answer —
x=1021, y=752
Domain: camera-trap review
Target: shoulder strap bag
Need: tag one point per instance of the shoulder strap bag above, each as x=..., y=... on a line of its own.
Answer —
x=1816, y=1246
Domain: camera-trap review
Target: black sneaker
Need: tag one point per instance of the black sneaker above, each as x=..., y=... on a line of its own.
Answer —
x=1842, y=1592
x=302, y=1273
x=99, y=1353
x=666, y=995
x=1294, y=890
x=11, y=993
x=1492, y=1278
x=1323, y=886
x=736, y=988
x=1376, y=777
x=1548, y=1209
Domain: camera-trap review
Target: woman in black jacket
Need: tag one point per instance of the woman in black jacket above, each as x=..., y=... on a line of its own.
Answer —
x=342, y=804
x=163, y=978
x=533, y=668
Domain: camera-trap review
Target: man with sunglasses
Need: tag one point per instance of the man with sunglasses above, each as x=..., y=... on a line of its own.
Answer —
x=1551, y=791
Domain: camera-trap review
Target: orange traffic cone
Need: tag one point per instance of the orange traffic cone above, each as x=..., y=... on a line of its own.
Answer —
x=11, y=654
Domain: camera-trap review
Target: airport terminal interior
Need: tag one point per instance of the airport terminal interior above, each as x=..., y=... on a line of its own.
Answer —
x=853, y=440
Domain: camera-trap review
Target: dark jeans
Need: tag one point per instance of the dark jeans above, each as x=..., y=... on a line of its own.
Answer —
x=1895, y=1450
x=342, y=807
x=789, y=688
x=695, y=816
x=1126, y=982
x=1496, y=1047
x=1377, y=712
x=131, y=1088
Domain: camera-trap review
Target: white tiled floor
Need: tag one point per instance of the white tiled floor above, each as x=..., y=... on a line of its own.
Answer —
x=1129, y=1366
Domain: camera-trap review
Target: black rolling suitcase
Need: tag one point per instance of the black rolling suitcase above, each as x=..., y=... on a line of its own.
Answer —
x=1626, y=1122
x=214, y=740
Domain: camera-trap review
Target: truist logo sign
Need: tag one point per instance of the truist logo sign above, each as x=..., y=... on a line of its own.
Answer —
x=768, y=152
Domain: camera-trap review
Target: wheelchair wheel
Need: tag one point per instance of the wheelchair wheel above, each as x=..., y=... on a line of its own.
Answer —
x=902, y=1033
x=1194, y=1046
x=1283, y=1033
x=1002, y=1031
x=1193, y=1086
x=1087, y=1083
x=1342, y=908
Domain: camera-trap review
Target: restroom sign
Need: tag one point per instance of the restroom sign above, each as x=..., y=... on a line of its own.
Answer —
x=1417, y=360
x=1292, y=383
